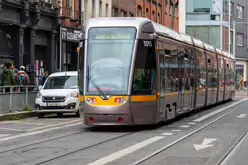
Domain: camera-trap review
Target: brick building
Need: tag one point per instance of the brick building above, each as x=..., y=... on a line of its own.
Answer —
x=123, y=8
x=157, y=10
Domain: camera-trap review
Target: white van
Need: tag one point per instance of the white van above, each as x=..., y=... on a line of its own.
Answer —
x=59, y=94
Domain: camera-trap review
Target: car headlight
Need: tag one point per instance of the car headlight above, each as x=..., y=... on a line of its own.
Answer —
x=73, y=94
x=38, y=95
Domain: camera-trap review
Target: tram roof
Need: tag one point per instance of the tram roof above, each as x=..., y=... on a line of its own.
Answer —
x=120, y=21
x=159, y=29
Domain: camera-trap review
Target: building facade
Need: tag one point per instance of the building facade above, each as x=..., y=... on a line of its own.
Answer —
x=122, y=8
x=74, y=15
x=160, y=11
x=28, y=35
x=212, y=22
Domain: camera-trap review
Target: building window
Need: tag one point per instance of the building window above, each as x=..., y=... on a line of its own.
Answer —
x=240, y=70
x=240, y=12
x=159, y=19
x=232, y=9
x=115, y=12
x=139, y=11
x=100, y=12
x=171, y=8
x=166, y=8
x=93, y=8
x=153, y=15
x=147, y=13
x=240, y=38
x=106, y=10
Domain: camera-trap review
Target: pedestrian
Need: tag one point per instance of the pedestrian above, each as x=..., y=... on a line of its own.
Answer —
x=22, y=77
x=13, y=68
x=8, y=77
x=45, y=76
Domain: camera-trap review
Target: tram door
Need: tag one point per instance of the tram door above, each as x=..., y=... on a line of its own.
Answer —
x=186, y=80
x=162, y=86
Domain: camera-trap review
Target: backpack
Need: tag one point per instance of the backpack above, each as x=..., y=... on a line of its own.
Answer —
x=22, y=79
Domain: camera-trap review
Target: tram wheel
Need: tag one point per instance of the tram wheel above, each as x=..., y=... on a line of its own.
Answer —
x=59, y=114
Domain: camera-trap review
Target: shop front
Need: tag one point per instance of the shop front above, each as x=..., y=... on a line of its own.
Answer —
x=69, y=43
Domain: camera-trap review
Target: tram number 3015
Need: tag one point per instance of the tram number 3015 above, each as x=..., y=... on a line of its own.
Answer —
x=147, y=43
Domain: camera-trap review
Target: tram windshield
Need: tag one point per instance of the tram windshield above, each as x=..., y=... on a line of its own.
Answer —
x=109, y=54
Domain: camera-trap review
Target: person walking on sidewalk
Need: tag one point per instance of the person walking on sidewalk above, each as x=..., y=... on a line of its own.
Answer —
x=44, y=77
x=22, y=77
x=8, y=78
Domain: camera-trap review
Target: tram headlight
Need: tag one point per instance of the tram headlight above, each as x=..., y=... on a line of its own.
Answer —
x=120, y=101
x=91, y=100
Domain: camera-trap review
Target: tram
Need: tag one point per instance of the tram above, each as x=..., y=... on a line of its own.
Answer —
x=133, y=71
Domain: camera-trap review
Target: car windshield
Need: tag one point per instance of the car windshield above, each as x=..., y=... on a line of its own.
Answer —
x=61, y=82
x=109, y=56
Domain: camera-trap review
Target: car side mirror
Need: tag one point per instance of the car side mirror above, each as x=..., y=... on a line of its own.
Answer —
x=39, y=87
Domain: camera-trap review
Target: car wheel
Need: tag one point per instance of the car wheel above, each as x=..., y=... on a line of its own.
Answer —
x=40, y=115
x=78, y=113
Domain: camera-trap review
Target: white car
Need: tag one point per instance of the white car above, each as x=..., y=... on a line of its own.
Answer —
x=59, y=95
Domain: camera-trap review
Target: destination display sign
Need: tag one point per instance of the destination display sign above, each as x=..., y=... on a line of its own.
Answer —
x=112, y=33
x=112, y=36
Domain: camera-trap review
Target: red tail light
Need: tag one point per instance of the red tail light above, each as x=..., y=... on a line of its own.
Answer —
x=92, y=119
x=121, y=119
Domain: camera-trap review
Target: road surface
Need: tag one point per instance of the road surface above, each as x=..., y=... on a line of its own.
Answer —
x=214, y=136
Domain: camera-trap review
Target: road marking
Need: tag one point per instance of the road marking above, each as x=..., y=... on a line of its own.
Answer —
x=38, y=132
x=217, y=111
x=191, y=123
x=205, y=144
x=167, y=134
x=184, y=126
x=176, y=130
x=24, y=122
x=242, y=116
x=3, y=135
x=126, y=151
x=53, y=125
x=11, y=129
x=182, y=138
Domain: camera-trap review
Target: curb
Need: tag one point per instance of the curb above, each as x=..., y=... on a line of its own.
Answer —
x=21, y=115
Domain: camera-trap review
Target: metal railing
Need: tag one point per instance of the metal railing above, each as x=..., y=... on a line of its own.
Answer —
x=17, y=98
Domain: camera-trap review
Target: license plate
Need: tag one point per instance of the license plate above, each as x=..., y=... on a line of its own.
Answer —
x=52, y=104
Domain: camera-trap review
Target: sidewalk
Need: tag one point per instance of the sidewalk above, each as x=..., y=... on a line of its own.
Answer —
x=241, y=93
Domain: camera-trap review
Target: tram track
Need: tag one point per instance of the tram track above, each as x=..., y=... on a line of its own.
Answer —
x=56, y=138
x=232, y=150
x=83, y=149
x=146, y=158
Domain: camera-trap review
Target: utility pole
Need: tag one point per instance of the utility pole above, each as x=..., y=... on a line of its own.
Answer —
x=173, y=14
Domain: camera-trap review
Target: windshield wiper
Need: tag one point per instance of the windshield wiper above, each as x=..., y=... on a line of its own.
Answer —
x=96, y=86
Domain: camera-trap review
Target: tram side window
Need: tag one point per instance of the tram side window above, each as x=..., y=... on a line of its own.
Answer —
x=221, y=71
x=201, y=69
x=81, y=68
x=144, y=75
x=169, y=78
x=171, y=67
x=214, y=71
x=232, y=74
x=209, y=72
x=227, y=76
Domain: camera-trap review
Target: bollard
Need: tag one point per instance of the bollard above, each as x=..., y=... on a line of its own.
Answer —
x=10, y=99
x=26, y=96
